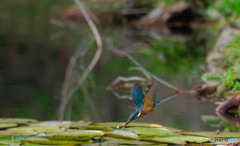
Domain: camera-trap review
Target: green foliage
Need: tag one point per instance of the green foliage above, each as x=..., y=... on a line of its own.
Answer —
x=169, y=54
x=228, y=81
x=215, y=121
x=229, y=9
x=108, y=6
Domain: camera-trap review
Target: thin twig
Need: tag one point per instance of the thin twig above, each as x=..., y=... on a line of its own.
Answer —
x=120, y=96
x=168, y=98
x=126, y=79
x=92, y=63
x=147, y=73
x=97, y=37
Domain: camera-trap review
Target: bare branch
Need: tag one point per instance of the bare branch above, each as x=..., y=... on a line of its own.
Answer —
x=93, y=62
x=126, y=79
x=168, y=98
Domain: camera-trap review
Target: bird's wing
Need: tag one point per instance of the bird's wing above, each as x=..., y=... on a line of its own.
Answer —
x=137, y=96
x=152, y=95
x=149, y=101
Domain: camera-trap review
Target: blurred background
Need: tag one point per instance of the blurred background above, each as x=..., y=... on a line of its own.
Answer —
x=170, y=38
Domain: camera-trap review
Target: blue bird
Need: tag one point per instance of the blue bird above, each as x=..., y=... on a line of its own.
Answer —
x=145, y=104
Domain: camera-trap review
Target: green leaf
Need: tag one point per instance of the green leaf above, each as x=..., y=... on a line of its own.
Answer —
x=53, y=124
x=33, y=130
x=214, y=134
x=52, y=142
x=16, y=120
x=7, y=125
x=128, y=142
x=120, y=124
x=111, y=124
x=178, y=139
x=81, y=135
x=90, y=127
x=237, y=86
x=213, y=78
x=150, y=132
x=122, y=134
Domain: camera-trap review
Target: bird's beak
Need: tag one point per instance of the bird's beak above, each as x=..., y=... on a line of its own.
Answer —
x=127, y=123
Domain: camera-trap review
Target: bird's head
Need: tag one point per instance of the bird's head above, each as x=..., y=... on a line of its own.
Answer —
x=133, y=116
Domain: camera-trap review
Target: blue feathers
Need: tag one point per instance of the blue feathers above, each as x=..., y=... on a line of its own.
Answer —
x=137, y=96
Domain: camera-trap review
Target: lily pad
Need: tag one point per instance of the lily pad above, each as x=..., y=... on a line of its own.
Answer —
x=12, y=140
x=53, y=123
x=214, y=134
x=144, y=125
x=16, y=120
x=120, y=125
x=150, y=132
x=52, y=142
x=128, y=142
x=122, y=134
x=90, y=127
x=7, y=140
x=111, y=124
x=3, y=126
x=79, y=135
x=31, y=130
x=178, y=139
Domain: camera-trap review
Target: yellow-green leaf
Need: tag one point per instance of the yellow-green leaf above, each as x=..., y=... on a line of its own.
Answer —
x=74, y=135
x=16, y=120
x=128, y=142
x=30, y=130
x=214, y=134
x=10, y=125
x=178, y=139
x=53, y=142
x=122, y=134
x=150, y=132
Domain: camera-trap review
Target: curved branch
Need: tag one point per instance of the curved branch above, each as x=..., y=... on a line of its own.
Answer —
x=93, y=62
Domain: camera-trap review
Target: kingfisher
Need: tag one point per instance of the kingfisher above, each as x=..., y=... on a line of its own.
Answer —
x=145, y=104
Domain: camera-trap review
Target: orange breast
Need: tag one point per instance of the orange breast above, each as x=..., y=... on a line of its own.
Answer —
x=147, y=107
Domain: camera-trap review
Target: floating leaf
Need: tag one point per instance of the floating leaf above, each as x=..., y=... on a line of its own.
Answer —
x=177, y=139
x=128, y=142
x=90, y=127
x=17, y=120
x=53, y=123
x=111, y=124
x=7, y=140
x=120, y=125
x=74, y=135
x=52, y=142
x=31, y=130
x=13, y=140
x=214, y=134
x=150, y=132
x=122, y=134
x=144, y=125
x=2, y=126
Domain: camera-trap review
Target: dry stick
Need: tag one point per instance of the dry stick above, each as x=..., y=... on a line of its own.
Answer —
x=70, y=77
x=126, y=79
x=92, y=63
x=168, y=98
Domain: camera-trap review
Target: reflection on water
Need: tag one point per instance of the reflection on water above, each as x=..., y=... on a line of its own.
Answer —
x=32, y=69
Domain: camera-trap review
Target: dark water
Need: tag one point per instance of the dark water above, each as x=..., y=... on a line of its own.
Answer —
x=34, y=54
